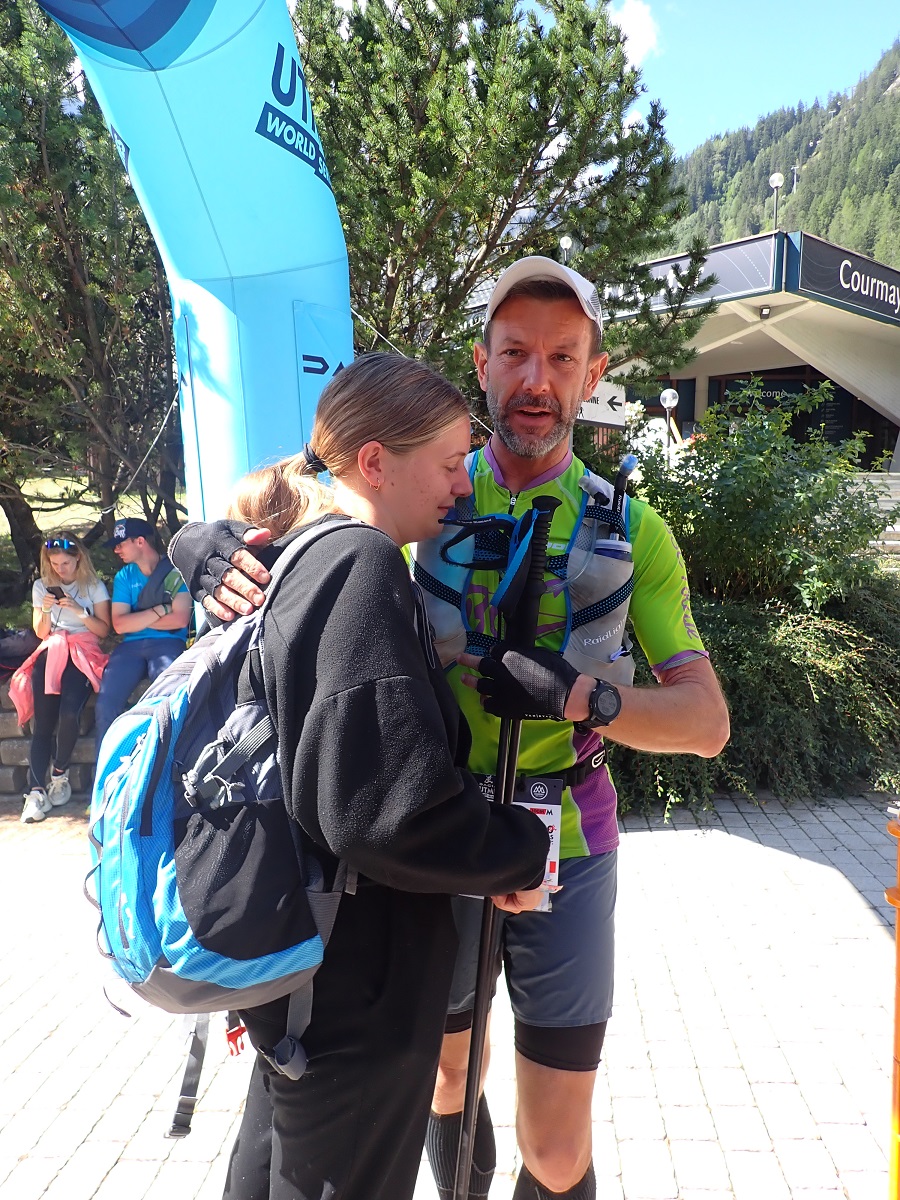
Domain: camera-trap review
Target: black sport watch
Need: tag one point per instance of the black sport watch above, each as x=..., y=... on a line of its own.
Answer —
x=604, y=705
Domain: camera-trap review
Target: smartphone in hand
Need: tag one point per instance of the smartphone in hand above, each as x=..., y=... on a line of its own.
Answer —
x=56, y=591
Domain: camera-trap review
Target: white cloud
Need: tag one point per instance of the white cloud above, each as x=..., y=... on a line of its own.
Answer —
x=639, y=26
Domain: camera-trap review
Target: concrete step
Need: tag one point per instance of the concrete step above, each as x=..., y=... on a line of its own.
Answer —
x=888, y=485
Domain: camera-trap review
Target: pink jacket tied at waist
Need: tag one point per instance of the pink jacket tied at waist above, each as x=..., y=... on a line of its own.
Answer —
x=84, y=651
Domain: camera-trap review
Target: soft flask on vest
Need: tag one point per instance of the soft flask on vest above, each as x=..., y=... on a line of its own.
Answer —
x=595, y=575
x=600, y=580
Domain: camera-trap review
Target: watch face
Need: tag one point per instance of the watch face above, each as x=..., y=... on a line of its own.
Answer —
x=605, y=704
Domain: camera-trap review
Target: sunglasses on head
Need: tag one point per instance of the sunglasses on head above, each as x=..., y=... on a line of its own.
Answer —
x=61, y=543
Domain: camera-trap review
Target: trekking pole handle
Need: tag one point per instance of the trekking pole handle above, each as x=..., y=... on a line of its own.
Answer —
x=524, y=629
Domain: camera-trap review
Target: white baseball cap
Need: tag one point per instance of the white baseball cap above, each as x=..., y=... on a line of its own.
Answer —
x=537, y=267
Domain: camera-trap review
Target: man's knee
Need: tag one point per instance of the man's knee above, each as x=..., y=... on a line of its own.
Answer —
x=112, y=699
x=162, y=662
x=117, y=675
x=557, y=1158
x=450, y=1085
x=553, y=1122
x=109, y=701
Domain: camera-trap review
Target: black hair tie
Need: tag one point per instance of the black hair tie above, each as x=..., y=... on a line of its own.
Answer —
x=312, y=460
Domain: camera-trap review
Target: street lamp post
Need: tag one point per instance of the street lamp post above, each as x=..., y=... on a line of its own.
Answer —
x=565, y=244
x=669, y=400
x=775, y=182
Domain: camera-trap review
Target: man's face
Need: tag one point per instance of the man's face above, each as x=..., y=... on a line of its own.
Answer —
x=129, y=550
x=538, y=372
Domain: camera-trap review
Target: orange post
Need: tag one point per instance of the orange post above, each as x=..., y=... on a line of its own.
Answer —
x=892, y=895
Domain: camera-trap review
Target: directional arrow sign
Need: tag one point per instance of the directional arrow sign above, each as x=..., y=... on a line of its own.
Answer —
x=605, y=407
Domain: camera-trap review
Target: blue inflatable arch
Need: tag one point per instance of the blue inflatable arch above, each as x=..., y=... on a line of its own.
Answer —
x=208, y=106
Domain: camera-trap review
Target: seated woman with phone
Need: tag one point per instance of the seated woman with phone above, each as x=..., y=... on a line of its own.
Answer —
x=71, y=614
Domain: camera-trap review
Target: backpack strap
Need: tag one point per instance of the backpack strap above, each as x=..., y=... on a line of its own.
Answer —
x=209, y=780
x=156, y=589
x=298, y=544
x=288, y=1057
x=345, y=880
x=190, y=1083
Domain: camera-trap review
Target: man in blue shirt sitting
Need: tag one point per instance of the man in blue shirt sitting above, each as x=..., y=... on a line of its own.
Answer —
x=151, y=609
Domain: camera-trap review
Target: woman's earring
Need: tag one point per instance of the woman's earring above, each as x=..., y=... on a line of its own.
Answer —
x=376, y=487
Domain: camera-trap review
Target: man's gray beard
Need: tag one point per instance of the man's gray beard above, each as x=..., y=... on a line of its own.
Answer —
x=525, y=447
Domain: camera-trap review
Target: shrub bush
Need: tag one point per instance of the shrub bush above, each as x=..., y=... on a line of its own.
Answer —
x=814, y=699
x=760, y=516
x=801, y=622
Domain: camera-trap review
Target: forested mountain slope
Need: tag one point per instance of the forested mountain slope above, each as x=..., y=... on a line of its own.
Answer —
x=840, y=161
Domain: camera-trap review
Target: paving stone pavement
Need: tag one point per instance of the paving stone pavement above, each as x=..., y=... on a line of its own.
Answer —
x=749, y=1056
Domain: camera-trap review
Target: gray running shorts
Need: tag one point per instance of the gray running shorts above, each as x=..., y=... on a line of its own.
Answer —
x=558, y=965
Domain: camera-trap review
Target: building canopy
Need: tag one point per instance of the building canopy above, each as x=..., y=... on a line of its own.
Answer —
x=790, y=299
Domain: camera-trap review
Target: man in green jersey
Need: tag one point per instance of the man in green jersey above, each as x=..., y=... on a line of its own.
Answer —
x=539, y=360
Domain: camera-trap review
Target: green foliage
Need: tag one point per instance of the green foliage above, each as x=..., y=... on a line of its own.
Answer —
x=762, y=517
x=465, y=134
x=847, y=158
x=85, y=346
x=459, y=137
x=16, y=616
x=801, y=621
x=814, y=699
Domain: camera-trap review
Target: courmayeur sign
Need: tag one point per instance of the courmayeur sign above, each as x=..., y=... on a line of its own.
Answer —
x=849, y=279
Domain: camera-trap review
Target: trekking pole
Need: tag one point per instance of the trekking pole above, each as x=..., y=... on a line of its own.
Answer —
x=892, y=895
x=521, y=630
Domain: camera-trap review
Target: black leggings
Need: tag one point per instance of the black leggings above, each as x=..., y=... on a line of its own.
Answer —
x=55, y=715
x=353, y=1127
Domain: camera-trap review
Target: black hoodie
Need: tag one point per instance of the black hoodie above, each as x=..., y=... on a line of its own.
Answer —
x=371, y=739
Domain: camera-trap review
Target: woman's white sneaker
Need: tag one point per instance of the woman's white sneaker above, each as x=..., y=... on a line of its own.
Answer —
x=36, y=807
x=60, y=790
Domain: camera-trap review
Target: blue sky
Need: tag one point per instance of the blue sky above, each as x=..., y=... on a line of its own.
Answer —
x=717, y=65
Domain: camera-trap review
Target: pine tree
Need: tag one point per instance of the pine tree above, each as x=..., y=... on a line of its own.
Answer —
x=85, y=347
x=463, y=134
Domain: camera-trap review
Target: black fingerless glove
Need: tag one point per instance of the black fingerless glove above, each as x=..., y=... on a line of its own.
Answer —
x=202, y=551
x=518, y=684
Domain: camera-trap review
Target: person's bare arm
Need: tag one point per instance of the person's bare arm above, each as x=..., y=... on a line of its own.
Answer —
x=686, y=715
x=41, y=618
x=179, y=616
x=96, y=622
x=125, y=619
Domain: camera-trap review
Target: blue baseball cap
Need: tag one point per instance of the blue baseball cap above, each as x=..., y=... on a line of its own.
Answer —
x=131, y=527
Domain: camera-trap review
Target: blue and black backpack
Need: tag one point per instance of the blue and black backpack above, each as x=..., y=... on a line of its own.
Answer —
x=208, y=900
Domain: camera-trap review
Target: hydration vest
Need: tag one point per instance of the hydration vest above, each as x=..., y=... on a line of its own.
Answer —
x=589, y=576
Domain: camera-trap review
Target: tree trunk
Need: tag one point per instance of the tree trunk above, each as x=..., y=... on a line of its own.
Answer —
x=24, y=531
x=105, y=477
